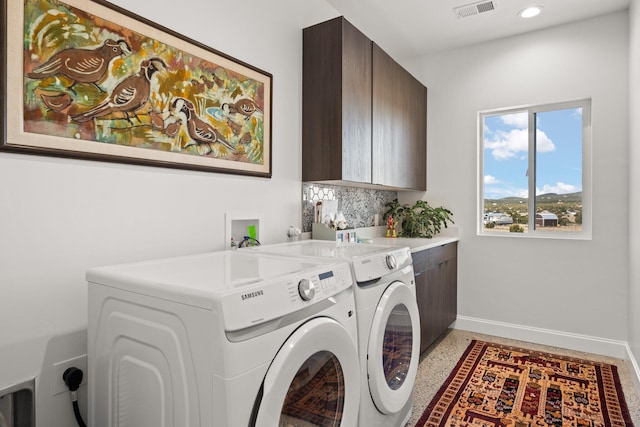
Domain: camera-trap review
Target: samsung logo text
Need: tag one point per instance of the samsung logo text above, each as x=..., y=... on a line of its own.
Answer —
x=253, y=294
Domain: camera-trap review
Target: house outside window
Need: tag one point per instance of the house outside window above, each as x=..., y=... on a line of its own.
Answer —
x=535, y=171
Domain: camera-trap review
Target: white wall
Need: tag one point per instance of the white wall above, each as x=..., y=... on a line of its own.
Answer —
x=58, y=217
x=574, y=288
x=634, y=184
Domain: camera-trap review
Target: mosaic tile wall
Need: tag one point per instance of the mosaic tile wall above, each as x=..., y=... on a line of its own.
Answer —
x=359, y=205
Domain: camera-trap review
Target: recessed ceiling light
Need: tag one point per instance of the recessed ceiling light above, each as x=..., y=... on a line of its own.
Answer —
x=530, y=12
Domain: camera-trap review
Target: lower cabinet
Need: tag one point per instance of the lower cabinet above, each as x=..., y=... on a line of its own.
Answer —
x=436, y=272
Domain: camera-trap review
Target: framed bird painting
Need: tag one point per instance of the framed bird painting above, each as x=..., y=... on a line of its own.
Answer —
x=89, y=80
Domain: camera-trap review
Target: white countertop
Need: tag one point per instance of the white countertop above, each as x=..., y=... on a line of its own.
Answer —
x=448, y=235
x=376, y=234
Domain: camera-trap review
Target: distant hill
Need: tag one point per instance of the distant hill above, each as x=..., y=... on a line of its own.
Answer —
x=554, y=198
x=542, y=198
x=507, y=200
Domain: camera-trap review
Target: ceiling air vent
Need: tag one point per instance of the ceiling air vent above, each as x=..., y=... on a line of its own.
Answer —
x=475, y=8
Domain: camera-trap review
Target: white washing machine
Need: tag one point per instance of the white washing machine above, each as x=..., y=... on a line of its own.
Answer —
x=388, y=323
x=223, y=339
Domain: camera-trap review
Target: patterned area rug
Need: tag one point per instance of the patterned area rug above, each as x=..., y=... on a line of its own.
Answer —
x=496, y=385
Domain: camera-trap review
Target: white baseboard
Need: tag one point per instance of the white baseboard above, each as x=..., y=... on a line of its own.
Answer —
x=636, y=368
x=586, y=343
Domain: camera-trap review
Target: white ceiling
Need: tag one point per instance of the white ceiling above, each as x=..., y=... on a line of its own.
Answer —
x=410, y=28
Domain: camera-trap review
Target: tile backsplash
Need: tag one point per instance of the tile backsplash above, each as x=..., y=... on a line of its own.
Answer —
x=358, y=205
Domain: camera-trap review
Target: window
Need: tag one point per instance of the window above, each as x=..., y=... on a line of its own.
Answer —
x=535, y=171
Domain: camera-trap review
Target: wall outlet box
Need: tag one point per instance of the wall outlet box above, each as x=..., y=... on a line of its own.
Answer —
x=79, y=362
x=239, y=225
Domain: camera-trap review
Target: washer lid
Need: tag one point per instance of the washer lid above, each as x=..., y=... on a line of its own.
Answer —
x=205, y=279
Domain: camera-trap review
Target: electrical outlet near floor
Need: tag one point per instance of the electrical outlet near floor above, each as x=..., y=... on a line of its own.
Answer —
x=79, y=362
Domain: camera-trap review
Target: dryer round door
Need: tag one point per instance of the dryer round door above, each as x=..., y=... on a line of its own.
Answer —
x=394, y=348
x=313, y=380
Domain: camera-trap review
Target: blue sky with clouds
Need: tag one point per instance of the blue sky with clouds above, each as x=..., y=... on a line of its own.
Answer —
x=559, y=153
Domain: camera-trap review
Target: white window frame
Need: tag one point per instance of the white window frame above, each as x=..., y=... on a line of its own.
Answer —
x=586, y=232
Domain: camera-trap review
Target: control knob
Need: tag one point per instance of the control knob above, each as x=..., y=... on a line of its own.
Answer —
x=391, y=262
x=306, y=289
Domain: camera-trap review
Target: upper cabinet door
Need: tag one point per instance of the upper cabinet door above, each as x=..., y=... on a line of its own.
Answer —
x=336, y=103
x=363, y=116
x=399, y=136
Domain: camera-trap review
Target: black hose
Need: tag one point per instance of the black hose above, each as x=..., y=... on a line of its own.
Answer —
x=76, y=412
x=72, y=377
x=248, y=241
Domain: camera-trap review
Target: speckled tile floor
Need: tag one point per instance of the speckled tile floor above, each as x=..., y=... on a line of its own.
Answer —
x=437, y=362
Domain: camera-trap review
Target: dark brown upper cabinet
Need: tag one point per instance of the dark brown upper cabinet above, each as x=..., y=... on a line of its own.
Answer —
x=399, y=132
x=363, y=116
x=336, y=103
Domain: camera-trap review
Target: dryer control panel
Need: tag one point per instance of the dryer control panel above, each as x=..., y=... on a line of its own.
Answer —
x=376, y=265
x=276, y=298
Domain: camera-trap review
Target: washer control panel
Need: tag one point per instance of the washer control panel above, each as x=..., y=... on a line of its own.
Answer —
x=319, y=286
x=276, y=298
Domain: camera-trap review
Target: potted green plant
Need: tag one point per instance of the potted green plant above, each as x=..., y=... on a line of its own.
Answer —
x=419, y=220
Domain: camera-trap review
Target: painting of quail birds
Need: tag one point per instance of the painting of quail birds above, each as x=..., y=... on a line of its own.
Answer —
x=95, y=83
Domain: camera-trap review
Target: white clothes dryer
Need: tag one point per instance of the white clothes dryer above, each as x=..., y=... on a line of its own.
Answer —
x=223, y=339
x=388, y=323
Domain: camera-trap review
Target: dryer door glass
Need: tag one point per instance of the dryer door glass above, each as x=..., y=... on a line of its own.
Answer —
x=316, y=394
x=396, y=347
x=314, y=380
x=393, y=348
